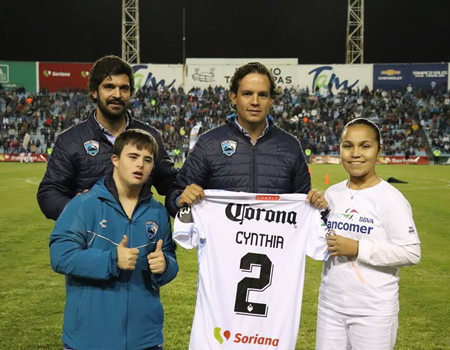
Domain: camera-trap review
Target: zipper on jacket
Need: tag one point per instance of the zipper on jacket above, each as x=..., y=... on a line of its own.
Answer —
x=128, y=287
x=254, y=168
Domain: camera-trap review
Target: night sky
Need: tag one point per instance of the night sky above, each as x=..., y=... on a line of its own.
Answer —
x=396, y=31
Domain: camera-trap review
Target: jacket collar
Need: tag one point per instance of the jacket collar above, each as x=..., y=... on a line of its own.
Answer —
x=107, y=191
x=233, y=123
x=94, y=124
x=110, y=185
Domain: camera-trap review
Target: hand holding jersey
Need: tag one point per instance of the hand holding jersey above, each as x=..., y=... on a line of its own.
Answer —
x=190, y=195
x=317, y=199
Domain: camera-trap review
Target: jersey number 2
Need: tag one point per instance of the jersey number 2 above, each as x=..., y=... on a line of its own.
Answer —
x=246, y=285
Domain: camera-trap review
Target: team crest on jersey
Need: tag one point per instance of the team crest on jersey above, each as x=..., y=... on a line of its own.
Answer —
x=228, y=147
x=151, y=228
x=92, y=147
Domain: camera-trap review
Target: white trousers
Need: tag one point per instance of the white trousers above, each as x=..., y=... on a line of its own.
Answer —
x=339, y=331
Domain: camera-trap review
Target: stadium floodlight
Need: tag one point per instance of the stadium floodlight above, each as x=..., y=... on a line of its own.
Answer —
x=355, y=32
x=130, y=31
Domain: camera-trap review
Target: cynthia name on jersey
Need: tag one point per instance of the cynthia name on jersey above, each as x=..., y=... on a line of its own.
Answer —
x=259, y=239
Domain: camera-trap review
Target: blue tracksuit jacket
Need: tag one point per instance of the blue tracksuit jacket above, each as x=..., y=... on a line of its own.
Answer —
x=107, y=308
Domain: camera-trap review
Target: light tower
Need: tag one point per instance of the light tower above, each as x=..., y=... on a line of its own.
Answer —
x=355, y=32
x=130, y=31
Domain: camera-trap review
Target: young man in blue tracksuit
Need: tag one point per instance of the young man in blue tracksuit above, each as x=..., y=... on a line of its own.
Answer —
x=114, y=244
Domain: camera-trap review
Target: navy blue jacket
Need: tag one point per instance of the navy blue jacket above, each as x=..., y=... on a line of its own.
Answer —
x=82, y=155
x=224, y=158
x=107, y=308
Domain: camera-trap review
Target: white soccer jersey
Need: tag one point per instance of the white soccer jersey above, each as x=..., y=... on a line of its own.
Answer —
x=251, y=251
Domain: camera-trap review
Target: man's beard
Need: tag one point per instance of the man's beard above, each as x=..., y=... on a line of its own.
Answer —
x=111, y=115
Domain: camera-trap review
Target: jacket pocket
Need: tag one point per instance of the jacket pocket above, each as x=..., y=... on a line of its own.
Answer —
x=83, y=305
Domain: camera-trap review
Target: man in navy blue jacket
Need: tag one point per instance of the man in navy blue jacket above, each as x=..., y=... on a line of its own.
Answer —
x=82, y=153
x=114, y=244
x=249, y=152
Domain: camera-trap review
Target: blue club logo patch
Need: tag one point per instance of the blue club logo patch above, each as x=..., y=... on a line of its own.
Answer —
x=92, y=147
x=229, y=147
x=151, y=229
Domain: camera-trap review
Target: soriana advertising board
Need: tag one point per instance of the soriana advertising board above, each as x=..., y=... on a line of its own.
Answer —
x=62, y=76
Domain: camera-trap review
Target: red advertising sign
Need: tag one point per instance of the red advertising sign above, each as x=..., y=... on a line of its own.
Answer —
x=15, y=157
x=62, y=76
x=402, y=160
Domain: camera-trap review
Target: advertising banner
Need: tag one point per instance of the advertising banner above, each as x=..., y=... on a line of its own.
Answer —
x=325, y=160
x=19, y=74
x=383, y=160
x=61, y=76
x=157, y=75
x=15, y=157
x=399, y=76
x=337, y=76
x=204, y=75
x=402, y=160
x=391, y=76
x=433, y=75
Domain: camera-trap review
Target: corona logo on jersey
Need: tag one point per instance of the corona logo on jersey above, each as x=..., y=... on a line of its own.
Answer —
x=350, y=214
x=241, y=212
x=248, y=340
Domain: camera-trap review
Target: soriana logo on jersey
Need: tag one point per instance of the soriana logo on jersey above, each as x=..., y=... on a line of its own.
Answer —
x=248, y=340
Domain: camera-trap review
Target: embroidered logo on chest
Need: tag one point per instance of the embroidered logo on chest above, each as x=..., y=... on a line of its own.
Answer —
x=151, y=229
x=228, y=147
x=92, y=147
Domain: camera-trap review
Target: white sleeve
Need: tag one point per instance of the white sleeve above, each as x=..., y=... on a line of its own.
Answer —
x=376, y=254
x=184, y=231
x=317, y=244
x=403, y=247
x=398, y=222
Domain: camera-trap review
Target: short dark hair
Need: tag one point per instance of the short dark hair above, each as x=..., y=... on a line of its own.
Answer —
x=138, y=138
x=249, y=68
x=366, y=122
x=105, y=67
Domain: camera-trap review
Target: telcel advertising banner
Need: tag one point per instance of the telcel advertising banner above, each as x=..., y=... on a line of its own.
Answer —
x=61, y=76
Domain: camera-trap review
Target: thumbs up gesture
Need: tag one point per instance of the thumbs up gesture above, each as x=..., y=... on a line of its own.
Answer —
x=126, y=257
x=156, y=260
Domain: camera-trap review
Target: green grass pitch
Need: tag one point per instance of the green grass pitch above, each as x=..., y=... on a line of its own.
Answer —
x=32, y=295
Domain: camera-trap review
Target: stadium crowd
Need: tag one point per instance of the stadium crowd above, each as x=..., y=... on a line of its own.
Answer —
x=409, y=120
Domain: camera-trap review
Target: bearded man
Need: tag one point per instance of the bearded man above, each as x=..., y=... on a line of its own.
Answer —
x=82, y=153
